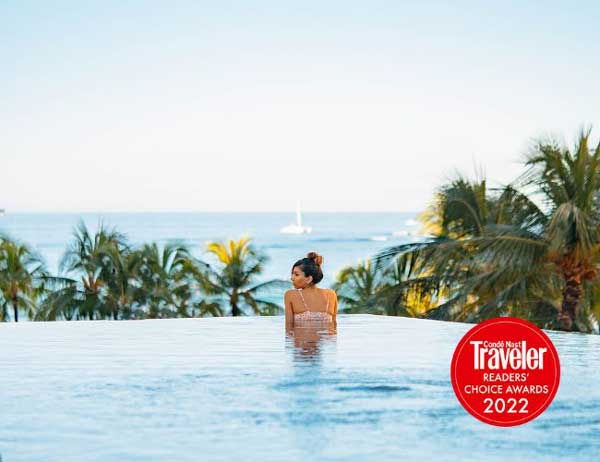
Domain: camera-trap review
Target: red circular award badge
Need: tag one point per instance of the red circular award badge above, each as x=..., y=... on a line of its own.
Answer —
x=505, y=371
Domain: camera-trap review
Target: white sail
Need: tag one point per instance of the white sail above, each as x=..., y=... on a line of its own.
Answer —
x=296, y=228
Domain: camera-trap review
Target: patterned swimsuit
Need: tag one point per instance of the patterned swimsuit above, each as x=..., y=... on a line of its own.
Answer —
x=312, y=317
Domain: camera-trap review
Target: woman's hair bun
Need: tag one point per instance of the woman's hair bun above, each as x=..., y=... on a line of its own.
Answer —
x=311, y=266
x=318, y=259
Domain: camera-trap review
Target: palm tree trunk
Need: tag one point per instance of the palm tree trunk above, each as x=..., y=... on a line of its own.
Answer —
x=16, y=311
x=571, y=297
x=235, y=310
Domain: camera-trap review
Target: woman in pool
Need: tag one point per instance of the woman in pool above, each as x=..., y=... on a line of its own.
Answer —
x=306, y=304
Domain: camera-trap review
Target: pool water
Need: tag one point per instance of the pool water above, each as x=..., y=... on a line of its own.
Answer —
x=225, y=389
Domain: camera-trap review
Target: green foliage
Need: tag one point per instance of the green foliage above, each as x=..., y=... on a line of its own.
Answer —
x=109, y=279
x=233, y=282
x=496, y=253
x=22, y=276
x=360, y=289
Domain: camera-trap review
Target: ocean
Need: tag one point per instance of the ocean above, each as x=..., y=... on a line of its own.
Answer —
x=342, y=238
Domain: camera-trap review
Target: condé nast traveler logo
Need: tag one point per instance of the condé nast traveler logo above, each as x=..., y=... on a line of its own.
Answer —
x=505, y=371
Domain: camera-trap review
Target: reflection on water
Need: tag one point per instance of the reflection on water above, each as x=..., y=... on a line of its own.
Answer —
x=308, y=385
x=307, y=342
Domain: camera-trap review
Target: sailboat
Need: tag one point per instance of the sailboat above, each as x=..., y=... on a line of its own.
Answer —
x=296, y=228
x=2, y=212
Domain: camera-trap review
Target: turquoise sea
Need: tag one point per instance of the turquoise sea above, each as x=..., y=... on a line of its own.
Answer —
x=342, y=238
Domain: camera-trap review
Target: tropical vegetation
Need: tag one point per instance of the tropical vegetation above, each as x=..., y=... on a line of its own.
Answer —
x=104, y=277
x=233, y=281
x=529, y=249
x=22, y=277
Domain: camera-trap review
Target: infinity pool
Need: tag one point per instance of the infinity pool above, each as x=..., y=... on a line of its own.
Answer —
x=238, y=389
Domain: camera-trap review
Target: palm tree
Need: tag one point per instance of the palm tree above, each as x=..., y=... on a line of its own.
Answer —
x=568, y=184
x=168, y=286
x=121, y=291
x=68, y=303
x=398, y=290
x=119, y=282
x=444, y=263
x=101, y=262
x=466, y=265
x=556, y=250
x=498, y=253
x=239, y=264
x=22, y=276
x=360, y=288
x=159, y=273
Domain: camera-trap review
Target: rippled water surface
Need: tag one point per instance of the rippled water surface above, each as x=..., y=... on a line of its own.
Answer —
x=238, y=389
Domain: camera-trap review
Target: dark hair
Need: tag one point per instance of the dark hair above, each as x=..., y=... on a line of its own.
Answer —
x=311, y=266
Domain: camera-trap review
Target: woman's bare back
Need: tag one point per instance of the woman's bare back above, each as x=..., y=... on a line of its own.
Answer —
x=312, y=305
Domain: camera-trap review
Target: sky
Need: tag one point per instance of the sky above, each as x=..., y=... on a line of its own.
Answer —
x=122, y=106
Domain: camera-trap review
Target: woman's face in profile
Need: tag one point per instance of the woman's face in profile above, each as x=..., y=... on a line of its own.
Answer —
x=299, y=279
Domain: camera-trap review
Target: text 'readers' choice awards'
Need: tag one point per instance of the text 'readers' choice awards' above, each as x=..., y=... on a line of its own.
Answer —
x=505, y=371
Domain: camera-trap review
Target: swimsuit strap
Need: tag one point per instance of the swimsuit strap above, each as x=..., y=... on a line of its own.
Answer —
x=306, y=306
x=302, y=297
